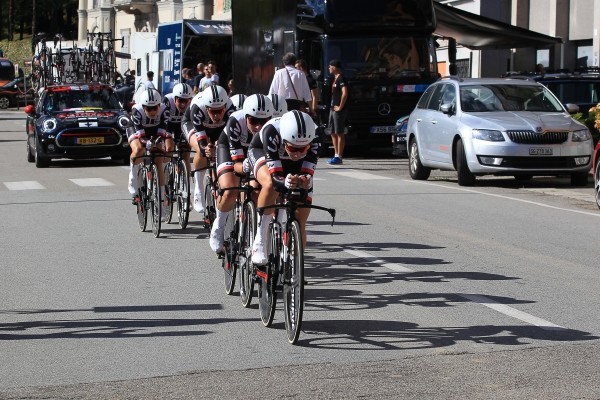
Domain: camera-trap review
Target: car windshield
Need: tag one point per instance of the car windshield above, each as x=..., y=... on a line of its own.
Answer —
x=64, y=100
x=508, y=97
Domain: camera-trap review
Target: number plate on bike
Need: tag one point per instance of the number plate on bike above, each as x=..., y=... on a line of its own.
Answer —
x=90, y=140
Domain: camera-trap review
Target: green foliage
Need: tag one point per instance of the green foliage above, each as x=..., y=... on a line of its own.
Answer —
x=17, y=50
x=592, y=121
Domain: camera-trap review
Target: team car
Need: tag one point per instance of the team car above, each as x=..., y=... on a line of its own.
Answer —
x=76, y=121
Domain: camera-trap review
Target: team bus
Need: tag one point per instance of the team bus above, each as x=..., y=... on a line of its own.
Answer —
x=386, y=47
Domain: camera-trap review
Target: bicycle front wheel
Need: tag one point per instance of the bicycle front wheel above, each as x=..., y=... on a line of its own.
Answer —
x=170, y=189
x=231, y=250
x=142, y=199
x=293, y=282
x=267, y=295
x=155, y=201
x=247, y=232
x=183, y=194
x=210, y=211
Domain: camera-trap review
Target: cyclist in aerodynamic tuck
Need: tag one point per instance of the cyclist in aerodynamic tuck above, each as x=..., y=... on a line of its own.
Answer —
x=232, y=163
x=202, y=124
x=149, y=118
x=284, y=156
x=177, y=102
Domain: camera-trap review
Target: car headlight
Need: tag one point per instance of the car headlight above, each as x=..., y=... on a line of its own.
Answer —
x=123, y=122
x=581, y=135
x=488, y=135
x=49, y=125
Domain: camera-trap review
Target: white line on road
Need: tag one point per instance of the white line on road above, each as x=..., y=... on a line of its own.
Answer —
x=475, y=298
x=594, y=214
x=91, y=182
x=354, y=174
x=24, y=185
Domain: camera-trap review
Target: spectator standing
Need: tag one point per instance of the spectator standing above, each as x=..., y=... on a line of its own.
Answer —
x=338, y=113
x=130, y=78
x=200, y=68
x=149, y=84
x=312, y=85
x=214, y=77
x=291, y=84
x=207, y=80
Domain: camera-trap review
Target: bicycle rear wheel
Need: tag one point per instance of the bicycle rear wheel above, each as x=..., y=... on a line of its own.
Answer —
x=169, y=189
x=267, y=296
x=231, y=251
x=155, y=201
x=247, y=232
x=293, y=282
x=183, y=194
x=142, y=201
x=210, y=211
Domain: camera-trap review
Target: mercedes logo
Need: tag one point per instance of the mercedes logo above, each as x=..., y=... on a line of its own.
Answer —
x=384, y=108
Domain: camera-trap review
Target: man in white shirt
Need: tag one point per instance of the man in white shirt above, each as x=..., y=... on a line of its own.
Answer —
x=291, y=84
x=149, y=84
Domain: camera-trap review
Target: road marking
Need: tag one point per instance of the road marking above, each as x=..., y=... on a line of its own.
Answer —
x=24, y=185
x=354, y=174
x=594, y=214
x=91, y=182
x=475, y=298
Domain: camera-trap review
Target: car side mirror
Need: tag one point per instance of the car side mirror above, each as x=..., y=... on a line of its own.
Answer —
x=572, y=108
x=29, y=110
x=447, y=108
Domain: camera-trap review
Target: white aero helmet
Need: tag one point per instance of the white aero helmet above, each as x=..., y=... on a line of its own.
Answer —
x=238, y=100
x=258, y=106
x=183, y=90
x=297, y=128
x=214, y=96
x=150, y=97
x=279, y=105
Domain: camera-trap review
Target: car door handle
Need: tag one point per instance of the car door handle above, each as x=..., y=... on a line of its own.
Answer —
x=434, y=121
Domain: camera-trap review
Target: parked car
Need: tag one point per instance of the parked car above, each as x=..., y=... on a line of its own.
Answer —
x=399, y=138
x=596, y=169
x=496, y=127
x=76, y=121
x=15, y=93
x=582, y=89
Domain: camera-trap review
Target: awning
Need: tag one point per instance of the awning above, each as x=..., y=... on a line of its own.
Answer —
x=208, y=27
x=478, y=33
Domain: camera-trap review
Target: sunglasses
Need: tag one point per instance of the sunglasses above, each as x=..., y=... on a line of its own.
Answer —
x=216, y=111
x=257, y=121
x=293, y=149
x=151, y=108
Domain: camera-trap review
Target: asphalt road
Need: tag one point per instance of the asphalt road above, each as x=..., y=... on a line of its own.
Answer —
x=420, y=290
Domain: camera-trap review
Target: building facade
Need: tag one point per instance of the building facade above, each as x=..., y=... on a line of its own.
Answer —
x=576, y=21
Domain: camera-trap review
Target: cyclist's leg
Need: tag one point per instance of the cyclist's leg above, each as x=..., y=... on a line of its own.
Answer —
x=226, y=200
x=137, y=150
x=267, y=196
x=199, y=162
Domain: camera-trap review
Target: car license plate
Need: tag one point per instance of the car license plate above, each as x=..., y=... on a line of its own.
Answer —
x=383, y=129
x=540, y=151
x=398, y=139
x=90, y=140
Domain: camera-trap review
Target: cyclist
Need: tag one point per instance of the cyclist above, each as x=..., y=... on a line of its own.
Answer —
x=149, y=118
x=284, y=156
x=202, y=124
x=177, y=102
x=238, y=100
x=279, y=105
x=232, y=149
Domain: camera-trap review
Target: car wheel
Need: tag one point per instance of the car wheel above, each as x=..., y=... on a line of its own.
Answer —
x=579, y=179
x=4, y=102
x=41, y=161
x=465, y=176
x=597, y=183
x=416, y=169
x=30, y=156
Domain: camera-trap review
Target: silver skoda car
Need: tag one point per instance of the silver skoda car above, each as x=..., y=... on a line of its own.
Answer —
x=511, y=127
